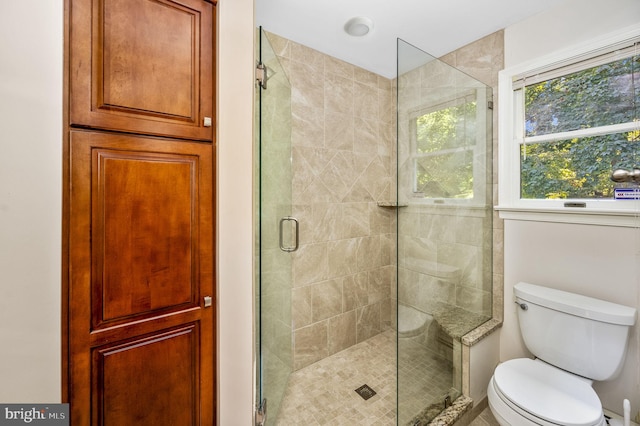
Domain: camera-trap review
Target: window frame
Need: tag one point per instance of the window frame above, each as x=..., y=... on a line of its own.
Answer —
x=478, y=95
x=510, y=124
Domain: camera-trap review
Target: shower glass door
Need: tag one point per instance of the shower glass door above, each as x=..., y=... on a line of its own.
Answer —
x=276, y=230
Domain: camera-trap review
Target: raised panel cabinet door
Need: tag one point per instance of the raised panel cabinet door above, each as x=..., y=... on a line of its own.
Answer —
x=141, y=281
x=142, y=66
x=150, y=380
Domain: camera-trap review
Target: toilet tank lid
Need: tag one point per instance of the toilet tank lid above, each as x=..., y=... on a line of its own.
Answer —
x=576, y=304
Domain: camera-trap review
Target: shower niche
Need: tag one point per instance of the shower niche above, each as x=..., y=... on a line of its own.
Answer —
x=389, y=180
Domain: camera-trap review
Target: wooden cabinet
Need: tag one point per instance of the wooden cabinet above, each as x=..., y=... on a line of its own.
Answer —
x=142, y=66
x=141, y=250
x=138, y=244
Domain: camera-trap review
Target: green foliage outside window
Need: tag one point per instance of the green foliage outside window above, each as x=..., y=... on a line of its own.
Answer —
x=580, y=167
x=444, y=151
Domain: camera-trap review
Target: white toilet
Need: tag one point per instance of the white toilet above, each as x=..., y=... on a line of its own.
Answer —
x=576, y=340
x=412, y=322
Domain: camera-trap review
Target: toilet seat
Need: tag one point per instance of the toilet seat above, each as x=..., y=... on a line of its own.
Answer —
x=547, y=395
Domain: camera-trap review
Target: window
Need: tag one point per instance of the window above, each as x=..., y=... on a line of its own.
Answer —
x=447, y=145
x=572, y=123
x=577, y=128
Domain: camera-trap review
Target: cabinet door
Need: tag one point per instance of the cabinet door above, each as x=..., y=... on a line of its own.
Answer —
x=141, y=308
x=142, y=66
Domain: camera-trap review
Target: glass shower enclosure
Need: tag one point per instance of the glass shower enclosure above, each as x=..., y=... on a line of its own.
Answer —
x=440, y=246
x=444, y=230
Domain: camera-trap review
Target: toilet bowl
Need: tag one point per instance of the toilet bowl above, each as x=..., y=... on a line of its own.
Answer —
x=560, y=329
x=531, y=392
x=412, y=322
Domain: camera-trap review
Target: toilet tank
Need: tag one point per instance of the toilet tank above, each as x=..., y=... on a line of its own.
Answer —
x=580, y=334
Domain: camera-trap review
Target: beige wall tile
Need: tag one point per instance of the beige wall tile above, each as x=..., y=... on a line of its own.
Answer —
x=342, y=140
x=307, y=86
x=301, y=307
x=280, y=45
x=365, y=101
x=307, y=126
x=339, y=68
x=369, y=253
x=342, y=331
x=368, y=322
x=355, y=291
x=310, y=344
x=339, y=131
x=368, y=78
x=306, y=55
x=343, y=162
x=326, y=299
x=338, y=94
x=355, y=219
x=310, y=264
x=378, y=285
x=342, y=257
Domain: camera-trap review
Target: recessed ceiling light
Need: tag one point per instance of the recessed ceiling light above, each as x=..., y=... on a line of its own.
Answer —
x=359, y=26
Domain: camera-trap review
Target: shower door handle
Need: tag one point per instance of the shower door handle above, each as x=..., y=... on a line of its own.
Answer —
x=289, y=249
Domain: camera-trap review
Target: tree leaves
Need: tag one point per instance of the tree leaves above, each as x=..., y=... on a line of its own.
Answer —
x=580, y=168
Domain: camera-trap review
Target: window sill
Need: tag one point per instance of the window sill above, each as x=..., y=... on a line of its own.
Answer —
x=619, y=218
x=457, y=209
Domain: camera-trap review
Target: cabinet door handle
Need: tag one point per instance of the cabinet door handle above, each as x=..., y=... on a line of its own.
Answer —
x=295, y=233
x=208, y=301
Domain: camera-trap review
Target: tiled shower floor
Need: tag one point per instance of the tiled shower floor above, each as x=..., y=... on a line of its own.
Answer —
x=324, y=393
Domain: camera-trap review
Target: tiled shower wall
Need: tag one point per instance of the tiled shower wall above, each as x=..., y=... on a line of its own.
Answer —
x=482, y=60
x=445, y=247
x=468, y=240
x=342, y=141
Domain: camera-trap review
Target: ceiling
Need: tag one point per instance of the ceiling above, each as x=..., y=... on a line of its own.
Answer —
x=435, y=26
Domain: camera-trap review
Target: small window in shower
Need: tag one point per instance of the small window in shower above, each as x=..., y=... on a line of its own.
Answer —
x=445, y=149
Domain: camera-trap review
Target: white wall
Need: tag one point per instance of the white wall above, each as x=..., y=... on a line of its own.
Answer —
x=484, y=357
x=597, y=261
x=571, y=22
x=30, y=199
x=30, y=204
x=235, y=239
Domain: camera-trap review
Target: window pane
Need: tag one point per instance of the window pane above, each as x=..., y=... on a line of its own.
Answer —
x=576, y=168
x=597, y=96
x=444, y=151
x=446, y=128
x=445, y=175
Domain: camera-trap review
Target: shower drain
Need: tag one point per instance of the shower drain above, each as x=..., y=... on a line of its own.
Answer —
x=365, y=392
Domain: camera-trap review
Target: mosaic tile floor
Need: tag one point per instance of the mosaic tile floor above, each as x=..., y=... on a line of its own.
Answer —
x=324, y=393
